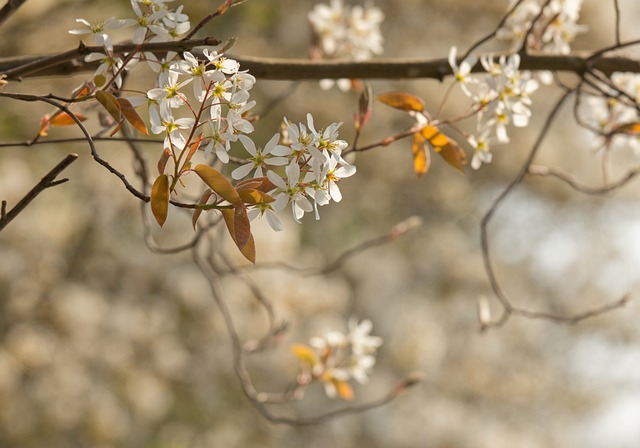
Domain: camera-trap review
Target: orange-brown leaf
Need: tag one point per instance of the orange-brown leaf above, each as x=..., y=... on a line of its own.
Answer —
x=445, y=147
x=255, y=197
x=132, y=116
x=246, y=247
x=218, y=183
x=249, y=250
x=193, y=147
x=629, y=128
x=343, y=389
x=435, y=137
x=110, y=103
x=421, y=157
x=402, y=101
x=160, y=199
x=164, y=158
x=305, y=353
x=64, y=119
x=241, y=227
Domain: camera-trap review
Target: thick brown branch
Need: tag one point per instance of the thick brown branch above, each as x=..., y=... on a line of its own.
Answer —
x=300, y=69
x=9, y=9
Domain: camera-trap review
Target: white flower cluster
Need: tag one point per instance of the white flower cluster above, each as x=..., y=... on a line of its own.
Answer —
x=154, y=22
x=220, y=113
x=313, y=166
x=221, y=91
x=552, y=33
x=347, y=32
x=613, y=116
x=341, y=357
x=501, y=97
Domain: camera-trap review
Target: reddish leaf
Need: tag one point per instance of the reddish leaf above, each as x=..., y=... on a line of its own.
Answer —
x=160, y=198
x=254, y=197
x=241, y=227
x=218, y=183
x=402, y=101
x=193, y=147
x=198, y=211
x=248, y=249
x=421, y=157
x=164, y=158
x=58, y=119
x=132, y=116
x=257, y=183
x=110, y=103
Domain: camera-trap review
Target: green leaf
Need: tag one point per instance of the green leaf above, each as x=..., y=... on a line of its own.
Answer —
x=160, y=199
x=218, y=183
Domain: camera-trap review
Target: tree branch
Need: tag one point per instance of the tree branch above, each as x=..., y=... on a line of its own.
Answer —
x=306, y=69
x=9, y=9
x=49, y=180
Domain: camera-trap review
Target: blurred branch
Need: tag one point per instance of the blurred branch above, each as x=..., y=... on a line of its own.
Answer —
x=306, y=69
x=577, y=185
x=9, y=9
x=49, y=180
x=508, y=309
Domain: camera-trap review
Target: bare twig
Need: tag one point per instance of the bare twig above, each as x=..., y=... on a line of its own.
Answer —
x=49, y=180
x=577, y=185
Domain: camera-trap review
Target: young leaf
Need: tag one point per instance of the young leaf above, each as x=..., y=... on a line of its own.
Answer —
x=631, y=128
x=247, y=247
x=402, y=101
x=58, y=119
x=254, y=197
x=421, y=157
x=445, y=147
x=218, y=183
x=160, y=198
x=110, y=103
x=257, y=183
x=197, y=212
x=164, y=158
x=193, y=147
x=343, y=389
x=132, y=116
x=241, y=227
x=249, y=250
x=305, y=354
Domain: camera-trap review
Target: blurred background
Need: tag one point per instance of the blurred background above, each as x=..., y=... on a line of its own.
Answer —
x=105, y=344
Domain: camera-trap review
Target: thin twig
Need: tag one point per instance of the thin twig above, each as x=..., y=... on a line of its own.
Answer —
x=577, y=185
x=49, y=180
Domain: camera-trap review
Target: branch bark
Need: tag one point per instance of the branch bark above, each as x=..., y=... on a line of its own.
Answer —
x=70, y=62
